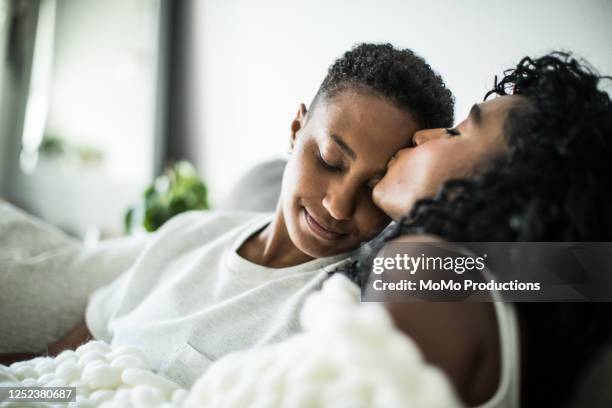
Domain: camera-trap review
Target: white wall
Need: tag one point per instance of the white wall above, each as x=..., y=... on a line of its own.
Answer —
x=103, y=85
x=102, y=95
x=260, y=59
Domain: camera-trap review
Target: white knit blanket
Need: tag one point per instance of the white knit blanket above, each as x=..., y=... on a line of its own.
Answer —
x=349, y=355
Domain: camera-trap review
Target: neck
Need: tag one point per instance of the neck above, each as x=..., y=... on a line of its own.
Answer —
x=272, y=246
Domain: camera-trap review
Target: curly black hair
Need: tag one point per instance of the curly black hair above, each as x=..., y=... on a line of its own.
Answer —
x=555, y=184
x=399, y=75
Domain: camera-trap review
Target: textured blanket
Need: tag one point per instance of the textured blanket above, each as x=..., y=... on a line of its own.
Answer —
x=349, y=355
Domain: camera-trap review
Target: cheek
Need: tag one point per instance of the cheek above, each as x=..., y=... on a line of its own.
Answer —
x=369, y=219
x=302, y=178
x=436, y=166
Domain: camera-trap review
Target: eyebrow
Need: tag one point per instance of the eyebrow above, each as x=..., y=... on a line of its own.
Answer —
x=343, y=146
x=476, y=114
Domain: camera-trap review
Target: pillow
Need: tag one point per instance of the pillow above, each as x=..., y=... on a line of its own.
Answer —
x=258, y=190
x=46, y=278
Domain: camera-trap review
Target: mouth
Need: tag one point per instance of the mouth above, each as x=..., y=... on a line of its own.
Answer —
x=322, y=231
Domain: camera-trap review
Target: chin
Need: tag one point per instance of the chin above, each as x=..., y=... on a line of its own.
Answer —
x=309, y=243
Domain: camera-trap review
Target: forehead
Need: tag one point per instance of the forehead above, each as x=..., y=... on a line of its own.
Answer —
x=497, y=108
x=370, y=125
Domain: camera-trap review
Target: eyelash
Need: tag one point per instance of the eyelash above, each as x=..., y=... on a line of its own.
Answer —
x=333, y=168
x=452, y=132
x=326, y=165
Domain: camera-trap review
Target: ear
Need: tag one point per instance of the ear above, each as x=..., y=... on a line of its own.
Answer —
x=298, y=122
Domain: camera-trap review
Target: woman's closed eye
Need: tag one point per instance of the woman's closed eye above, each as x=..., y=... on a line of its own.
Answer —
x=326, y=165
x=452, y=132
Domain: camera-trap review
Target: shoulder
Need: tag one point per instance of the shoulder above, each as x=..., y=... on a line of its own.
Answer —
x=460, y=338
x=208, y=219
x=192, y=229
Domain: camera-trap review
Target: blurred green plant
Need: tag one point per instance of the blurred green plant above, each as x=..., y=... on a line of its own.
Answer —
x=52, y=146
x=178, y=190
x=55, y=146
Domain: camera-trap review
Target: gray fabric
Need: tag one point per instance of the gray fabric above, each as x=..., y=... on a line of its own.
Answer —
x=46, y=278
x=258, y=190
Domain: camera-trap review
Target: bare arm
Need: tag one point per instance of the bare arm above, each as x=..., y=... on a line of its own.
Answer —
x=10, y=358
x=460, y=338
x=78, y=335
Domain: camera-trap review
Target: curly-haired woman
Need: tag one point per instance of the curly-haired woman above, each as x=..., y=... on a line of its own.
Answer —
x=532, y=164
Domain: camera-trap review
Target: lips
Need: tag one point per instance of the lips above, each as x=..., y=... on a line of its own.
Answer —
x=320, y=230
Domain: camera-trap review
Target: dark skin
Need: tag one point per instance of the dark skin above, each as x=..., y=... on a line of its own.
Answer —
x=460, y=338
x=340, y=150
x=438, y=155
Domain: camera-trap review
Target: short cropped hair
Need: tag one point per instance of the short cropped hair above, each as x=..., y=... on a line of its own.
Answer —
x=399, y=75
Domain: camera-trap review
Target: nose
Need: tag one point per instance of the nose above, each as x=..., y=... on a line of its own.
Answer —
x=340, y=201
x=426, y=135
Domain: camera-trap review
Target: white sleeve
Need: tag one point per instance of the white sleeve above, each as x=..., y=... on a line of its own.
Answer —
x=102, y=307
x=124, y=294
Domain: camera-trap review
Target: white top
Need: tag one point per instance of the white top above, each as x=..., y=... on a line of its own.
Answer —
x=190, y=298
x=508, y=391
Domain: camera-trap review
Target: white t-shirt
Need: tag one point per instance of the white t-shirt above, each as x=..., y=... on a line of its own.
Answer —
x=190, y=298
